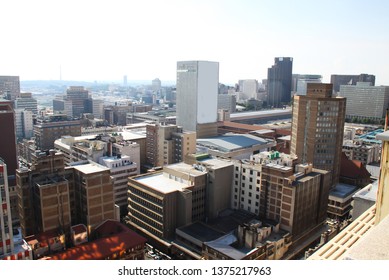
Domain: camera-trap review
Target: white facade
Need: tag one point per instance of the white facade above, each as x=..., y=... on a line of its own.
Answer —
x=249, y=89
x=197, y=90
x=365, y=101
x=121, y=168
x=98, y=108
x=6, y=233
x=23, y=123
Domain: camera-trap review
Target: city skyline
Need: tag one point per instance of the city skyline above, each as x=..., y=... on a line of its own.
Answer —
x=145, y=39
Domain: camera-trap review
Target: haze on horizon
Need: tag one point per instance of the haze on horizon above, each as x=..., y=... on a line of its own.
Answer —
x=105, y=40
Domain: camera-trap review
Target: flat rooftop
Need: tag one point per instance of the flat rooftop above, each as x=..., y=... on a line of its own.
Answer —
x=184, y=168
x=223, y=245
x=261, y=113
x=216, y=163
x=343, y=190
x=232, y=142
x=201, y=232
x=369, y=192
x=161, y=183
x=90, y=168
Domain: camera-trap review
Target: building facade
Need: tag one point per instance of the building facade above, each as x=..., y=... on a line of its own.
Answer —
x=78, y=96
x=279, y=82
x=338, y=80
x=197, y=90
x=26, y=101
x=48, y=130
x=8, y=136
x=365, y=102
x=10, y=87
x=317, y=128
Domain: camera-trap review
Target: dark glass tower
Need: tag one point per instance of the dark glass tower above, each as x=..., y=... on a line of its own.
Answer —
x=279, y=82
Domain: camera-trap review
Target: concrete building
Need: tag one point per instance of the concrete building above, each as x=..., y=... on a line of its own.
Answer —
x=317, y=128
x=364, y=199
x=167, y=144
x=162, y=201
x=24, y=123
x=26, y=101
x=272, y=186
x=8, y=136
x=365, y=153
x=365, y=102
x=248, y=89
x=197, y=90
x=46, y=131
x=340, y=201
x=6, y=232
x=54, y=198
x=339, y=80
x=279, y=82
x=80, y=148
x=299, y=82
x=62, y=105
x=156, y=84
x=120, y=168
x=10, y=87
x=78, y=96
x=226, y=102
x=252, y=241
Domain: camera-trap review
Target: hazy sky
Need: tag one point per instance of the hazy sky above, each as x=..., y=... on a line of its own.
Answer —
x=104, y=40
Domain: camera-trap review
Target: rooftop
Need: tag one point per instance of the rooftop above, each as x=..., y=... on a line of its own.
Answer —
x=343, y=190
x=90, y=168
x=232, y=142
x=161, y=183
x=369, y=192
x=201, y=232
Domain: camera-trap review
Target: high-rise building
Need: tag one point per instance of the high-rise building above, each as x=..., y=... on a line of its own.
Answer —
x=197, y=90
x=317, y=128
x=167, y=144
x=26, y=101
x=10, y=87
x=156, y=84
x=365, y=102
x=8, y=136
x=78, y=95
x=23, y=123
x=299, y=82
x=48, y=130
x=6, y=233
x=226, y=102
x=248, y=89
x=338, y=80
x=279, y=82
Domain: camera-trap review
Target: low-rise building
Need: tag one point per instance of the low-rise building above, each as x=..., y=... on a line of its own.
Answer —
x=340, y=201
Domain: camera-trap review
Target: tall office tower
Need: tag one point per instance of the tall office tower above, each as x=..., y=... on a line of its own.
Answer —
x=156, y=84
x=6, y=233
x=8, y=136
x=338, y=80
x=46, y=131
x=279, y=82
x=98, y=108
x=197, y=89
x=167, y=144
x=26, y=101
x=61, y=105
x=125, y=80
x=365, y=102
x=78, y=96
x=317, y=128
x=299, y=82
x=10, y=87
x=24, y=123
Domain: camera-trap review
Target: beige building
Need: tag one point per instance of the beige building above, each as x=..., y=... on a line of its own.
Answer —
x=167, y=144
x=317, y=128
x=272, y=186
x=47, y=131
x=160, y=202
x=54, y=198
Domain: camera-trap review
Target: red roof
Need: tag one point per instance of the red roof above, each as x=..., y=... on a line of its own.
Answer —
x=102, y=248
x=352, y=168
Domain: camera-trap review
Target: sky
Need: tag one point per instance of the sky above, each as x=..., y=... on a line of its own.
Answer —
x=105, y=40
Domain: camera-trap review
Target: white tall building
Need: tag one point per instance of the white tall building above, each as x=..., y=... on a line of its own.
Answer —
x=249, y=89
x=24, y=123
x=364, y=101
x=197, y=90
x=98, y=108
x=6, y=234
